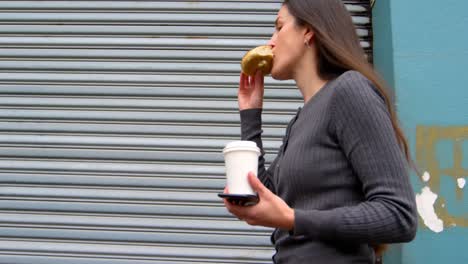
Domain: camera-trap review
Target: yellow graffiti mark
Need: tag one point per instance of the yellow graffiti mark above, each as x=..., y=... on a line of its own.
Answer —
x=426, y=157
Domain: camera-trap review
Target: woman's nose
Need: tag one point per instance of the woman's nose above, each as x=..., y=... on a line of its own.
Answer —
x=272, y=41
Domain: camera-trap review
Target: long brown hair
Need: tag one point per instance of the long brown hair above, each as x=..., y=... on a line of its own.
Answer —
x=339, y=50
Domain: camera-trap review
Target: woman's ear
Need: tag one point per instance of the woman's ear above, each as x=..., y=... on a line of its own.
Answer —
x=308, y=36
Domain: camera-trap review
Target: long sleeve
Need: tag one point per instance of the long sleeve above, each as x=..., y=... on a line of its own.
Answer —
x=363, y=128
x=251, y=129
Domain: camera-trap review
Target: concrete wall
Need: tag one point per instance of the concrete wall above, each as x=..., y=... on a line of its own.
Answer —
x=421, y=47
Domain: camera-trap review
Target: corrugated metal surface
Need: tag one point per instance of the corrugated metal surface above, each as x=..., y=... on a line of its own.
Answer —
x=113, y=115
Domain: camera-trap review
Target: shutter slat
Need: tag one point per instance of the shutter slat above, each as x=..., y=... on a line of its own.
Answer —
x=129, y=223
x=131, y=251
x=131, y=129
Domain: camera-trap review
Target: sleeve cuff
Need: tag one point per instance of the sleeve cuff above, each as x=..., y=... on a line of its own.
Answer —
x=251, y=123
x=314, y=224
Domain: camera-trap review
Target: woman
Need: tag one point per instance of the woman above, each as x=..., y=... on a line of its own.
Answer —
x=339, y=185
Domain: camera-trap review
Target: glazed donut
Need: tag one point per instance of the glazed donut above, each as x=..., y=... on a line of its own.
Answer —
x=259, y=58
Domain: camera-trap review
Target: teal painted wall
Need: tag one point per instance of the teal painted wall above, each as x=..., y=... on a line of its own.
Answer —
x=421, y=47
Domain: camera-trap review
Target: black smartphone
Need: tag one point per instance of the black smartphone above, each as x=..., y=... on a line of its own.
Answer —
x=240, y=199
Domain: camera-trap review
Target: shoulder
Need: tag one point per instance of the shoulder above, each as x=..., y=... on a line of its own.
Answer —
x=354, y=89
x=355, y=83
x=357, y=101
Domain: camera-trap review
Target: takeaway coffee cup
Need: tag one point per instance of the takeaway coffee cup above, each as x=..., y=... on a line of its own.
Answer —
x=240, y=157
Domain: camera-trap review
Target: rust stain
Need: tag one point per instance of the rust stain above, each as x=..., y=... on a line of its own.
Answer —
x=426, y=157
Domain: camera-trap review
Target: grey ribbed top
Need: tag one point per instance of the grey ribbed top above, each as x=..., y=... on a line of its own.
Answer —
x=341, y=169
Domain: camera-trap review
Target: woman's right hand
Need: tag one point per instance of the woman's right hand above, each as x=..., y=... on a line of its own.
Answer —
x=251, y=91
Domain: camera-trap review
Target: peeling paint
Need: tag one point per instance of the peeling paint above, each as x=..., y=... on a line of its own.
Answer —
x=436, y=172
x=426, y=176
x=461, y=182
x=425, y=202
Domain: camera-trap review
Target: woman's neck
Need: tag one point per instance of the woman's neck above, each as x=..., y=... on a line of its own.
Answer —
x=308, y=80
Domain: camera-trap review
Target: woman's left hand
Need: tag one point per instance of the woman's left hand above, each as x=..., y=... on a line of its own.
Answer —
x=270, y=211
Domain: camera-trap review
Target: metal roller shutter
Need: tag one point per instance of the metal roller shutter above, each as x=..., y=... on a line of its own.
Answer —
x=113, y=115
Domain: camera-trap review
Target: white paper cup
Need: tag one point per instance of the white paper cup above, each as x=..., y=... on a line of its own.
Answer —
x=240, y=158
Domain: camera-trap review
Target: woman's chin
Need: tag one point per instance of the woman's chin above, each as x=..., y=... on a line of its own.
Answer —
x=274, y=73
x=278, y=76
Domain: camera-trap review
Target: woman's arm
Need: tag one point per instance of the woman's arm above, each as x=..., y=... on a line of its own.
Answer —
x=365, y=133
x=251, y=129
x=250, y=99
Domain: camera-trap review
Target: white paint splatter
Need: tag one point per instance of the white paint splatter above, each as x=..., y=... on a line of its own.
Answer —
x=426, y=176
x=461, y=182
x=425, y=202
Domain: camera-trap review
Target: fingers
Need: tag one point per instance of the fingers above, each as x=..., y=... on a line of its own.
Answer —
x=259, y=79
x=241, y=212
x=256, y=184
x=235, y=208
x=243, y=82
x=250, y=93
x=248, y=82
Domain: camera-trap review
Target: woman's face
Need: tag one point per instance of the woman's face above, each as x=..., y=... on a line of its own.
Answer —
x=288, y=45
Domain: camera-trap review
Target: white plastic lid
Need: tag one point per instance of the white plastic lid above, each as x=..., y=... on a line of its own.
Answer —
x=241, y=145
